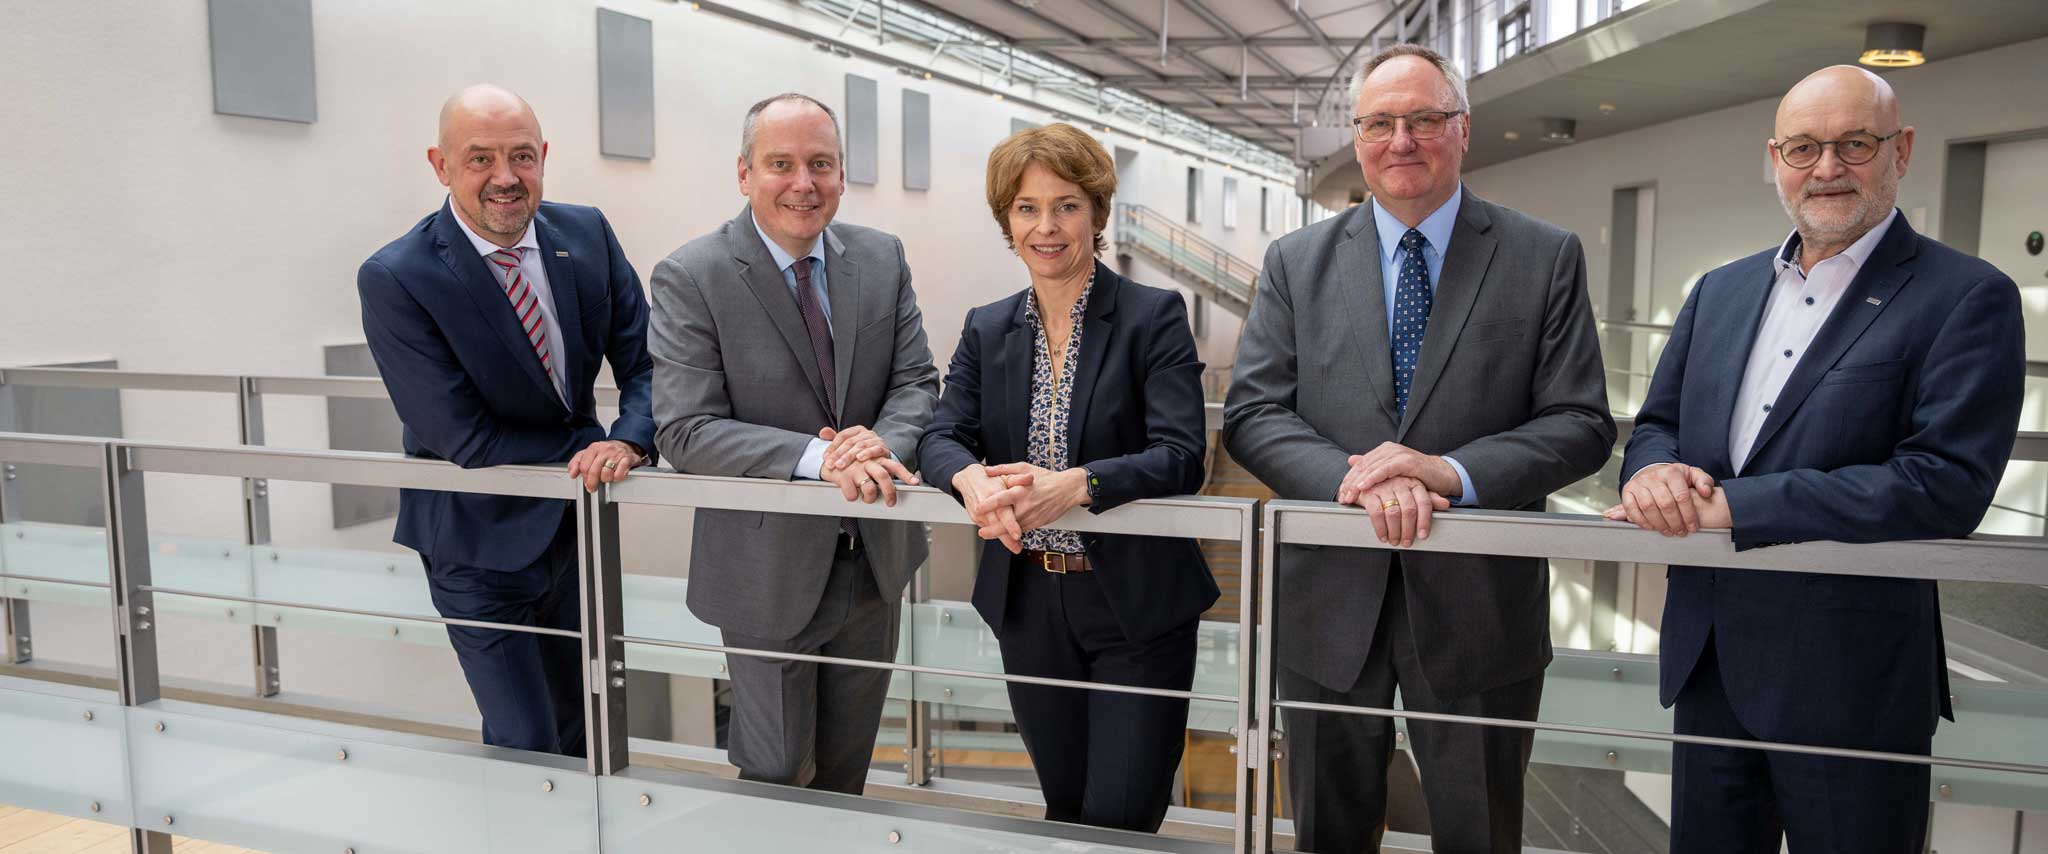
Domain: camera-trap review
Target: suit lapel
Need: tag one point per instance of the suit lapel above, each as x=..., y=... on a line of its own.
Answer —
x=1010, y=377
x=843, y=287
x=758, y=268
x=483, y=288
x=1736, y=329
x=1095, y=331
x=568, y=309
x=1362, y=298
x=1868, y=296
x=1465, y=263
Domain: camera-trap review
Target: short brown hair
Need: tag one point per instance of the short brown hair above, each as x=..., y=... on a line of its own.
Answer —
x=1066, y=150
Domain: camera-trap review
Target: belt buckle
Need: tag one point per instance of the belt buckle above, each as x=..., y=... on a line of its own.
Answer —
x=1045, y=559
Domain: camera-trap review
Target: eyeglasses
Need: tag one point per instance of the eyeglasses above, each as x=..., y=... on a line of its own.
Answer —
x=1427, y=124
x=1855, y=148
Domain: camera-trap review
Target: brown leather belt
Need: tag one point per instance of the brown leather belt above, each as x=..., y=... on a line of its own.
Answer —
x=1058, y=562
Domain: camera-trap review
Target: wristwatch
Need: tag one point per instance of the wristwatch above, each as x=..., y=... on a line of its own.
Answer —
x=1094, y=484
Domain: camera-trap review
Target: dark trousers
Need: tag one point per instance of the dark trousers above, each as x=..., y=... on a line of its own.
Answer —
x=797, y=723
x=529, y=687
x=1728, y=800
x=1103, y=759
x=1337, y=763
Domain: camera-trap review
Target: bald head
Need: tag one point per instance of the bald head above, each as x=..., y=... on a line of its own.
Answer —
x=488, y=103
x=490, y=156
x=1840, y=91
x=1842, y=128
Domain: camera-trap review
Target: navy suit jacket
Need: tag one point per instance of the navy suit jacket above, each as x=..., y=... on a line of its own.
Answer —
x=1895, y=425
x=470, y=389
x=1135, y=421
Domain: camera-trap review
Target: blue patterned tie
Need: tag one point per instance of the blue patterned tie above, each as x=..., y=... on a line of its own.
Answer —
x=1411, y=315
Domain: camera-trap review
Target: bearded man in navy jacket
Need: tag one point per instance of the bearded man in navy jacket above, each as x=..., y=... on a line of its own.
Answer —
x=1859, y=383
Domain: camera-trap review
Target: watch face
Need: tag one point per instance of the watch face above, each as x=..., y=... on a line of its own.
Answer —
x=2034, y=243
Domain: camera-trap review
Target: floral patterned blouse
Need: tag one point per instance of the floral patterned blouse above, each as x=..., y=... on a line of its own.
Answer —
x=1051, y=404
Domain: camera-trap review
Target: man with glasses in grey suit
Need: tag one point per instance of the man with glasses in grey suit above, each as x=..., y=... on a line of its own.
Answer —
x=787, y=347
x=1427, y=349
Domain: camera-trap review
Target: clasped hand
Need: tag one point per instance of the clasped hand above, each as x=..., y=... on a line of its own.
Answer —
x=605, y=461
x=858, y=462
x=1399, y=487
x=1673, y=499
x=1005, y=501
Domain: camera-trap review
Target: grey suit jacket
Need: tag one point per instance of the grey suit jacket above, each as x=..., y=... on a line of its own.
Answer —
x=1510, y=383
x=737, y=393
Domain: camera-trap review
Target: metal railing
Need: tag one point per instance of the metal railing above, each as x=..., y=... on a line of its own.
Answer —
x=122, y=465
x=1222, y=277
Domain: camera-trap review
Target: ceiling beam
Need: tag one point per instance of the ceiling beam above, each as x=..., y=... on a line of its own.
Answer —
x=1308, y=25
x=1191, y=42
x=1139, y=27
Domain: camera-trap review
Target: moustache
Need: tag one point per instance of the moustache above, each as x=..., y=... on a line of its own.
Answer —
x=1837, y=185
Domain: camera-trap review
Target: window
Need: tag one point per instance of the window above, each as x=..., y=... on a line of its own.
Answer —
x=1229, y=202
x=1516, y=34
x=1266, y=210
x=1194, y=195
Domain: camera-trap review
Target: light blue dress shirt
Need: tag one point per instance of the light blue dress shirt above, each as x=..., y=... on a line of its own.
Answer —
x=807, y=466
x=1436, y=234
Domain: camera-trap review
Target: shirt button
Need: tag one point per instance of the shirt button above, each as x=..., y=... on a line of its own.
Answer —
x=1809, y=300
x=1788, y=354
x=1767, y=407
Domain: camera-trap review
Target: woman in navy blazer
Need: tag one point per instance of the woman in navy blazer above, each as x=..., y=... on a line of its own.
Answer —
x=1082, y=391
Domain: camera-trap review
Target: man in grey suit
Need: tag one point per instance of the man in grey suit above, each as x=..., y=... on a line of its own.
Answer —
x=787, y=347
x=1481, y=386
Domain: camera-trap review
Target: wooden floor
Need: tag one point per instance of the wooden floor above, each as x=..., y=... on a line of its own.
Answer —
x=25, y=832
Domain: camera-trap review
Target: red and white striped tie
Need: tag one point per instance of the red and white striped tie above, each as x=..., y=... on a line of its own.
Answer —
x=525, y=304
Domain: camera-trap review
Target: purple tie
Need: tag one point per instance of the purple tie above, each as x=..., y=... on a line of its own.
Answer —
x=821, y=346
x=820, y=332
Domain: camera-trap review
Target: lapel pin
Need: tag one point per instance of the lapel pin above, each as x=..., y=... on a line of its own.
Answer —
x=561, y=253
x=1873, y=300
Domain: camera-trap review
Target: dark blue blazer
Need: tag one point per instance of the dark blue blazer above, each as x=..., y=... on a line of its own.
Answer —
x=1895, y=425
x=470, y=389
x=1136, y=421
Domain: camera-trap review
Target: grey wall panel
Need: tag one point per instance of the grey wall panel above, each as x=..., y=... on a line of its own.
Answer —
x=360, y=425
x=61, y=495
x=917, y=140
x=863, y=133
x=625, y=85
x=262, y=58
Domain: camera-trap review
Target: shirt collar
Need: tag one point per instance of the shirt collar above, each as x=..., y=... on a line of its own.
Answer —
x=1080, y=305
x=782, y=257
x=1857, y=253
x=1435, y=228
x=485, y=247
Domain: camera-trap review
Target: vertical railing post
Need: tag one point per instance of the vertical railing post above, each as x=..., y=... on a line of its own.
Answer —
x=134, y=607
x=1249, y=722
x=18, y=644
x=256, y=532
x=1257, y=750
x=917, y=715
x=598, y=577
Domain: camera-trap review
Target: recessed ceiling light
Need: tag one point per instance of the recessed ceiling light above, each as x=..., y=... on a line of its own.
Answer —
x=1893, y=45
x=1606, y=109
x=1512, y=135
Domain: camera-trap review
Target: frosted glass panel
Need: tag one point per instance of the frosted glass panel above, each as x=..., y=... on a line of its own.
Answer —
x=245, y=780
x=55, y=759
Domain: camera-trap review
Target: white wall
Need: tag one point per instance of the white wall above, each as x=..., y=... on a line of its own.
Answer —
x=1714, y=204
x=143, y=227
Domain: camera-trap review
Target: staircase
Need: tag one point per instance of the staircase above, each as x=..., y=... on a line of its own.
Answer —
x=1194, y=263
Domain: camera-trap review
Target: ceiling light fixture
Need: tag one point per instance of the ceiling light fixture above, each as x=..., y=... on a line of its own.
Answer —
x=1893, y=45
x=1560, y=130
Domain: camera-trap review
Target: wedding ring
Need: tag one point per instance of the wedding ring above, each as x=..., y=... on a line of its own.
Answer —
x=611, y=464
x=1392, y=502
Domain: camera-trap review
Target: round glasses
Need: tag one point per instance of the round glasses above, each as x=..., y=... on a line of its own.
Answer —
x=1855, y=148
x=1427, y=124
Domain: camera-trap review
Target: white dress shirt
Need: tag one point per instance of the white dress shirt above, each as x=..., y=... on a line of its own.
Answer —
x=536, y=275
x=1800, y=302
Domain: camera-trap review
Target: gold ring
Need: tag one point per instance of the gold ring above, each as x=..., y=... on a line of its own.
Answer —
x=1392, y=502
x=1004, y=480
x=611, y=464
x=867, y=481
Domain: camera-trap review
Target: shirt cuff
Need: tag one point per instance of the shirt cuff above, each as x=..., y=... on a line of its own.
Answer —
x=808, y=465
x=1467, y=498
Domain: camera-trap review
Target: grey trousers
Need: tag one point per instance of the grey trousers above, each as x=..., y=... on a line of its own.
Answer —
x=798, y=723
x=1337, y=763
